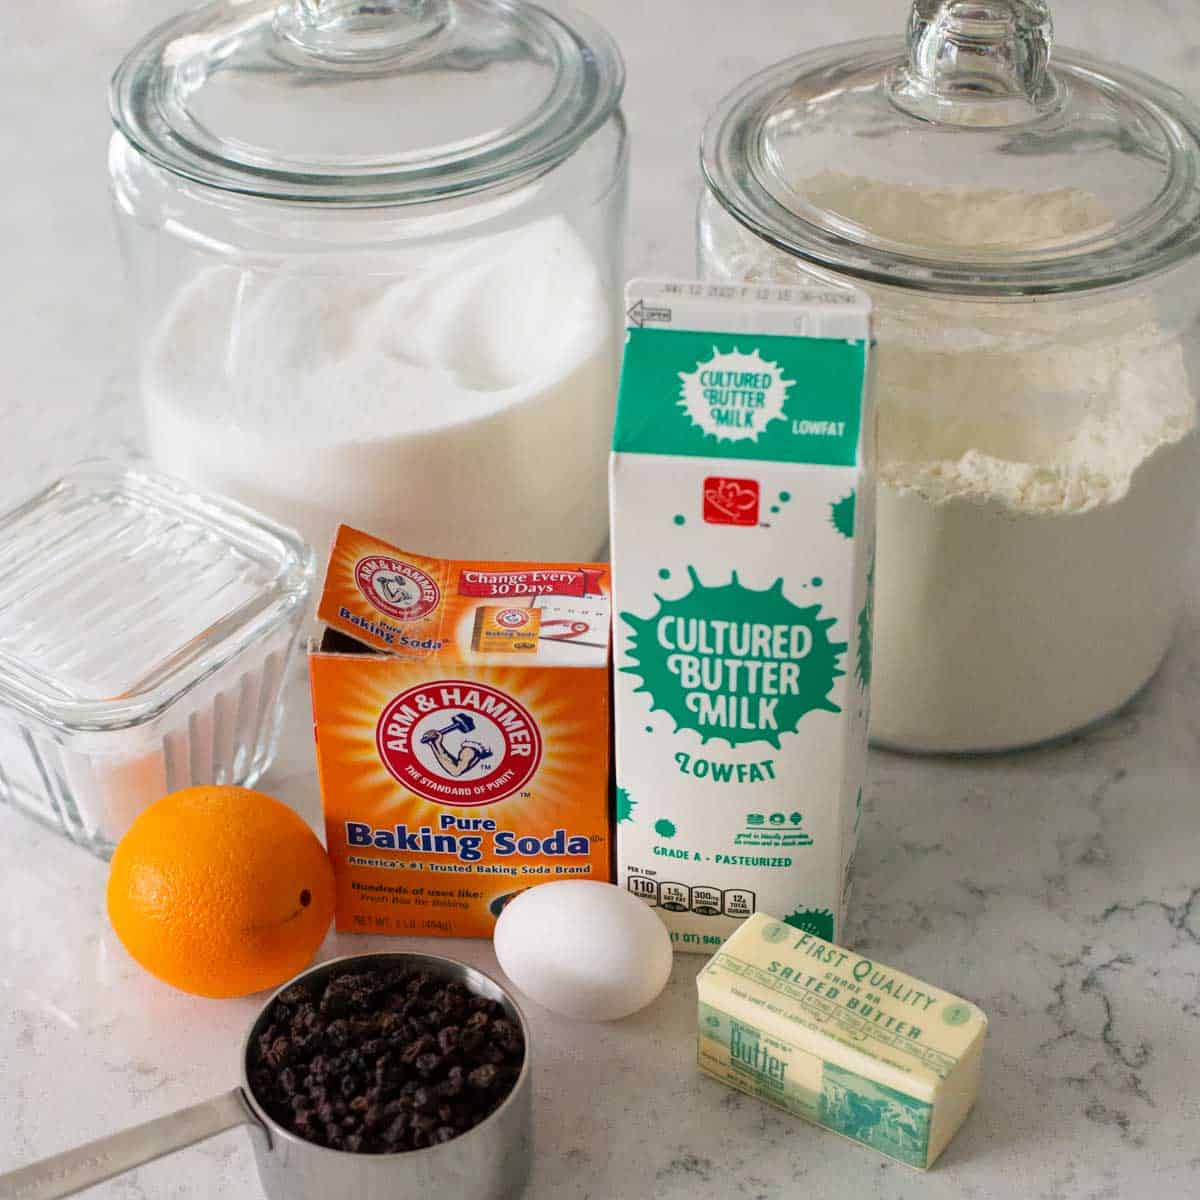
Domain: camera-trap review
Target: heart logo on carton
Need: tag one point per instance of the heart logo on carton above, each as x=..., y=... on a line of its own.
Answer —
x=730, y=501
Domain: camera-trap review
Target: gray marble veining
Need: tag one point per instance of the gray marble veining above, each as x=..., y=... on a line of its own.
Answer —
x=1059, y=889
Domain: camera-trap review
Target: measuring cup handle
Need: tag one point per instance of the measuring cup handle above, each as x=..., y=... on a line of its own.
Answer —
x=73, y=1170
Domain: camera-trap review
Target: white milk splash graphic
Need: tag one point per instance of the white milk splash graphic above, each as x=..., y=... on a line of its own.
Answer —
x=734, y=396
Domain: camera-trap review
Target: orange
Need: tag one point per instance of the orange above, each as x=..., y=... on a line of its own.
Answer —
x=220, y=891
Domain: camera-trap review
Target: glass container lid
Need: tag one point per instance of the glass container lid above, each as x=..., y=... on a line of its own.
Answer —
x=971, y=159
x=120, y=590
x=366, y=101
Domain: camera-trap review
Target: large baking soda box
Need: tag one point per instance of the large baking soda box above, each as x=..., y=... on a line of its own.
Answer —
x=461, y=716
x=742, y=495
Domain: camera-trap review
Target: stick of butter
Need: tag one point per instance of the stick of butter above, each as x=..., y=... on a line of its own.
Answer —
x=839, y=1039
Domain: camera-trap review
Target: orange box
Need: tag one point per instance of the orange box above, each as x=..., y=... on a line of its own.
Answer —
x=507, y=628
x=459, y=765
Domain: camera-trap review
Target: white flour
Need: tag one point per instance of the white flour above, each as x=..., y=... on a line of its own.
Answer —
x=1024, y=592
x=1037, y=480
x=459, y=407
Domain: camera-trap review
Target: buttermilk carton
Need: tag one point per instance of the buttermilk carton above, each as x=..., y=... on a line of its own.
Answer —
x=461, y=712
x=742, y=495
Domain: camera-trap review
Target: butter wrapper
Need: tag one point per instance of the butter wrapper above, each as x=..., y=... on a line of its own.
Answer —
x=839, y=1039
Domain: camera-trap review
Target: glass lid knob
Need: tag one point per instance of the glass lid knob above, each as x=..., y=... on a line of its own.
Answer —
x=977, y=62
x=365, y=32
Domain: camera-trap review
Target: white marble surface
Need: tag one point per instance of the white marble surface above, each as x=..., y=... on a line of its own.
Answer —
x=1059, y=889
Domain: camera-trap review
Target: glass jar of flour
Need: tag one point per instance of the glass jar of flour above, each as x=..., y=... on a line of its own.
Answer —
x=1028, y=227
x=376, y=252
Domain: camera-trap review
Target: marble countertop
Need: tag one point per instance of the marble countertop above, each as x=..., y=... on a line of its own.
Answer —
x=1059, y=889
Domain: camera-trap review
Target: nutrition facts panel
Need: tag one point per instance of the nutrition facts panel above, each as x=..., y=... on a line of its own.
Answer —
x=825, y=1012
x=704, y=901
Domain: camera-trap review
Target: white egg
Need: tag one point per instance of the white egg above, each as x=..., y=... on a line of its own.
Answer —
x=584, y=949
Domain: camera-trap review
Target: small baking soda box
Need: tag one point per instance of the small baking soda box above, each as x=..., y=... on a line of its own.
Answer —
x=742, y=538
x=461, y=715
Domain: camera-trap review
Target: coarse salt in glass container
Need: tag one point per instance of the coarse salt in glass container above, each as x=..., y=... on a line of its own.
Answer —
x=145, y=634
x=1027, y=222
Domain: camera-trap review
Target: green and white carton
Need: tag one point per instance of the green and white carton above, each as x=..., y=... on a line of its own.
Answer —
x=742, y=493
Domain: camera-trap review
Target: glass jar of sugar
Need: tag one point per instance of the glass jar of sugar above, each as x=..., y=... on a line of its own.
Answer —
x=375, y=249
x=1028, y=227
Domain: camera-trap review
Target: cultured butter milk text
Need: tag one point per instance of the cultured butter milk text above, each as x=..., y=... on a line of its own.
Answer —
x=743, y=553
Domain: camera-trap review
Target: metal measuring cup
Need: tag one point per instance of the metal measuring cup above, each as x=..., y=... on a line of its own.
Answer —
x=489, y=1162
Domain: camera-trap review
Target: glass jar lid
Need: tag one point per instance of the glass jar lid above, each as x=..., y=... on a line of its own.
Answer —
x=967, y=160
x=366, y=101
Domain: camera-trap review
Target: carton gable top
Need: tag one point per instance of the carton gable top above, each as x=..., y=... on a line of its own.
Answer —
x=744, y=372
x=464, y=612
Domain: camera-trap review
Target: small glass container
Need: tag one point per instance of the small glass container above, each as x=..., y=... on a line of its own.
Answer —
x=1027, y=222
x=375, y=249
x=145, y=635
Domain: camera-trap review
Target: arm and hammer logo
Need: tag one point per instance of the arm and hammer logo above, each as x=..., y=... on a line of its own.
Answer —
x=396, y=588
x=513, y=618
x=459, y=743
